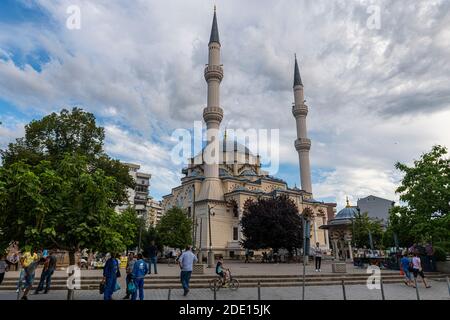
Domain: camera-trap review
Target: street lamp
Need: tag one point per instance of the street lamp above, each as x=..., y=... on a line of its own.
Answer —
x=210, y=252
x=140, y=232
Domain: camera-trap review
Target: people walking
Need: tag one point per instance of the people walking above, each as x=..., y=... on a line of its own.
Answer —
x=318, y=257
x=47, y=273
x=406, y=267
x=110, y=274
x=186, y=262
x=30, y=262
x=153, y=255
x=417, y=269
x=140, y=269
x=129, y=270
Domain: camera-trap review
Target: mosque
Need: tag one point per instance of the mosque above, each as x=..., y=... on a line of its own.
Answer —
x=213, y=194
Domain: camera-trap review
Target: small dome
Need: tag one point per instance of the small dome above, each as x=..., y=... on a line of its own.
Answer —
x=346, y=213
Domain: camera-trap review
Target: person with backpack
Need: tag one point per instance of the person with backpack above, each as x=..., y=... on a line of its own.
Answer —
x=140, y=269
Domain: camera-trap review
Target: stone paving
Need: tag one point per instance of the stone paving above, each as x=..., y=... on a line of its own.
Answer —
x=439, y=291
x=237, y=268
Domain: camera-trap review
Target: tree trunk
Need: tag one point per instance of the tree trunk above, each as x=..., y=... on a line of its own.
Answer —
x=70, y=292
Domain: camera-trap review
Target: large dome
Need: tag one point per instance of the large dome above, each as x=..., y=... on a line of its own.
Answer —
x=230, y=146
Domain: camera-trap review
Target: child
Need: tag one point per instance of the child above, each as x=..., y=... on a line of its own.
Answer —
x=220, y=270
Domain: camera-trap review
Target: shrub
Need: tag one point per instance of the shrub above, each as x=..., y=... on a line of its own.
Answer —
x=440, y=254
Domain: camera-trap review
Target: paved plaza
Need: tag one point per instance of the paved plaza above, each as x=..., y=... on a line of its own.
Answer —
x=395, y=291
x=439, y=291
x=237, y=268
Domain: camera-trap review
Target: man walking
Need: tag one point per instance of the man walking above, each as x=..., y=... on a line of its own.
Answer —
x=140, y=269
x=129, y=270
x=153, y=255
x=318, y=257
x=186, y=262
x=47, y=272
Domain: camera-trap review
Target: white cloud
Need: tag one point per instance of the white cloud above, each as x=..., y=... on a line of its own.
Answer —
x=375, y=96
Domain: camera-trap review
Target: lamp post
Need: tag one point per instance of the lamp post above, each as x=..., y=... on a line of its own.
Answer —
x=210, y=252
x=200, y=252
x=140, y=232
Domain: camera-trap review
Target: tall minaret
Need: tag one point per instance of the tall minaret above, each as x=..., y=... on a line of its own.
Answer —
x=302, y=144
x=212, y=114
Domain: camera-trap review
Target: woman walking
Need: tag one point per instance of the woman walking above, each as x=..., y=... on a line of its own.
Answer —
x=417, y=270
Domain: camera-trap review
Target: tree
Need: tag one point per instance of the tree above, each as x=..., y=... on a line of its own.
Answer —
x=174, y=229
x=425, y=189
x=69, y=132
x=67, y=207
x=272, y=223
x=362, y=226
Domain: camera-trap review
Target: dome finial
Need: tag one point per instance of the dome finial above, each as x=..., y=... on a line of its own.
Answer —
x=348, y=203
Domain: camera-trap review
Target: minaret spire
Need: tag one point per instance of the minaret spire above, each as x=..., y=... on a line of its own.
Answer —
x=297, y=78
x=302, y=144
x=214, y=30
x=213, y=114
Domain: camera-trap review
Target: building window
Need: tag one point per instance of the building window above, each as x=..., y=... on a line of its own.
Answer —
x=189, y=212
x=235, y=234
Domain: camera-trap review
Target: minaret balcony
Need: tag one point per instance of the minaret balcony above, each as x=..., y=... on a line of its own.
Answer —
x=213, y=72
x=213, y=114
x=300, y=110
x=302, y=144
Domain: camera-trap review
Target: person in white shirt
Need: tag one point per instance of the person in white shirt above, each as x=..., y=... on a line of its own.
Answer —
x=417, y=269
x=318, y=257
x=186, y=262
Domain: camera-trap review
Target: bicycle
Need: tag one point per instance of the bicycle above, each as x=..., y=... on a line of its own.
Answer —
x=231, y=283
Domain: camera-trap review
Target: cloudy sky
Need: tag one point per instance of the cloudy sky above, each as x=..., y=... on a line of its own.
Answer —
x=378, y=86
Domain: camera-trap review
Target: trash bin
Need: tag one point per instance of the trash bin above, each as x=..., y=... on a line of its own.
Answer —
x=199, y=268
x=339, y=267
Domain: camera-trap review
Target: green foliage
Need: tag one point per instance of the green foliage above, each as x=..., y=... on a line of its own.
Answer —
x=59, y=189
x=69, y=132
x=149, y=235
x=362, y=225
x=174, y=229
x=272, y=223
x=425, y=189
x=440, y=254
